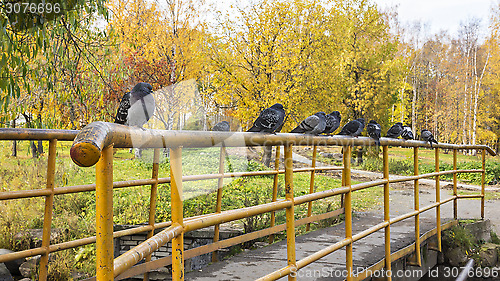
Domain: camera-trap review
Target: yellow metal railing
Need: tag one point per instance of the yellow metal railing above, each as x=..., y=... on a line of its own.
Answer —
x=95, y=143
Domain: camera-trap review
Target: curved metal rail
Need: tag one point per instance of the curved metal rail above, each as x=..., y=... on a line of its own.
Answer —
x=94, y=144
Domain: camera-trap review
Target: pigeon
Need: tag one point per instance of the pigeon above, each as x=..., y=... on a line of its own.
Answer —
x=312, y=125
x=407, y=134
x=136, y=106
x=426, y=135
x=270, y=120
x=395, y=131
x=332, y=122
x=222, y=127
x=353, y=128
x=374, y=129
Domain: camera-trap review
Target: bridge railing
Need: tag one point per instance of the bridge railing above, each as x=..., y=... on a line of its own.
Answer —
x=95, y=143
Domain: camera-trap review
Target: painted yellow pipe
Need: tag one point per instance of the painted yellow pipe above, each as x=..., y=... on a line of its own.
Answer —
x=348, y=210
x=387, y=218
x=455, y=209
x=311, y=185
x=275, y=190
x=438, y=199
x=483, y=179
x=152, y=201
x=289, y=212
x=49, y=204
x=416, y=198
x=177, y=216
x=218, y=203
x=104, y=215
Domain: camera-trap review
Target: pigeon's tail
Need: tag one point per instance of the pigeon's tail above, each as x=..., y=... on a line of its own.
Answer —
x=432, y=140
x=297, y=130
x=253, y=129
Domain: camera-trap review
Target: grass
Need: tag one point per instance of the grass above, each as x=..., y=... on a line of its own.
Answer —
x=401, y=163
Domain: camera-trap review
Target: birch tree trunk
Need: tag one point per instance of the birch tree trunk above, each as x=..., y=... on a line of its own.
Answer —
x=476, y=98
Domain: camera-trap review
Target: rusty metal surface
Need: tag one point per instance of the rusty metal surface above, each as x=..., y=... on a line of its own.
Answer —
x=162, y=262
x=37, y=134
x=101, y=136
x=144, y=249
x=94, y=137
x=104, y=216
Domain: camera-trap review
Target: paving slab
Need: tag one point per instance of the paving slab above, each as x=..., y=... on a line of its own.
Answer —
x=252, y=264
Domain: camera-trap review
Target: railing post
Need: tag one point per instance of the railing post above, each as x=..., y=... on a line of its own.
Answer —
x=275, y=189
x=311, y=186
x=290, y=218
x=49, y=204
x=177, y=216
x=104, y=215
x=438, y=199
x=455, y=203
x=416, y=195
x=483, y=179
x=346, y=173
x=152, y=201
x=218, y=206
x=387, y=217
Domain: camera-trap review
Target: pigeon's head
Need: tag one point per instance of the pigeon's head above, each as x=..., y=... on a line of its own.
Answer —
x=424, y=131
x=399, y=124
x=335, y=113
x=321, y=113
x=225, y=122
x=277, y=106
x=372, y=122
x=143, y=87
x=361, y=120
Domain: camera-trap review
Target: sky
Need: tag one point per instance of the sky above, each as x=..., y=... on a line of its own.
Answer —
x=442, y=14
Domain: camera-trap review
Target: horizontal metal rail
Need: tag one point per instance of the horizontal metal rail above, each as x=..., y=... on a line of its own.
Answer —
x=403, y=252
x=143, y=267
x=37, y=134
x=465, y=272
x=90, y=141
x=322, y=253
x=19, y=194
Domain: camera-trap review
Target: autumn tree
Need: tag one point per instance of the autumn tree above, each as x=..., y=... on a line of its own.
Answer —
x=161, y=46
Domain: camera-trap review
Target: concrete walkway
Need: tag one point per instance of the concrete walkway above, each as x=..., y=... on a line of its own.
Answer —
x=252, y=264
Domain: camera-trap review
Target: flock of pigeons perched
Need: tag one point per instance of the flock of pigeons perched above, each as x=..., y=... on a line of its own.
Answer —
x=137, y=107
x=271, y=120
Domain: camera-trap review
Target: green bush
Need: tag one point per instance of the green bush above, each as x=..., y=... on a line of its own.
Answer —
x=405, y=167
x=492, y=171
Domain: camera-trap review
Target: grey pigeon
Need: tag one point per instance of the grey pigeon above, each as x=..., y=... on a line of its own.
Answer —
x=427, y=136
x=312, y=125
x=270, y=120
x=407, y=134
x=373, y=129
x=353, y=128
x=136, y=106
x=222, y=127
x=332, y=122
x=395, y=131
